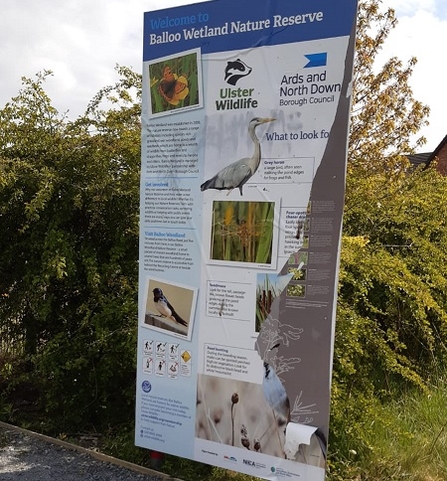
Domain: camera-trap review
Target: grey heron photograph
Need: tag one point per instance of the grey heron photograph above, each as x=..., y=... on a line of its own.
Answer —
x=238, y=173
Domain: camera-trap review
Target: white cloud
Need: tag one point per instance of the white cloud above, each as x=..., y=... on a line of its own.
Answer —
x=422, y=35
x=82, y=41
x=409, y=7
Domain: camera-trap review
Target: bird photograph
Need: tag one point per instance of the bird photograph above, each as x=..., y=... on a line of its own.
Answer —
x=237, y=174
x=169, y=308
x=165, y=308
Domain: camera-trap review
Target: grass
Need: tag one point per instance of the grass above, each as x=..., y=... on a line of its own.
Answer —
x=402, y=439
x=410, y=440
x=406, y=439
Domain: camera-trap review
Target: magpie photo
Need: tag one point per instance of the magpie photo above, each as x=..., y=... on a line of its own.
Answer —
x=165, y=308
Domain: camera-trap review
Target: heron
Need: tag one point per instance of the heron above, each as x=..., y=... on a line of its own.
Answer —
x=237, y=174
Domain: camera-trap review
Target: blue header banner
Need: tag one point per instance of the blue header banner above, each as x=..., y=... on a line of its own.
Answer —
x=225, y=25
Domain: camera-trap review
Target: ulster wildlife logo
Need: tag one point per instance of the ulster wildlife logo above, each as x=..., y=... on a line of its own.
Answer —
x=235, y=70
x=239, y=97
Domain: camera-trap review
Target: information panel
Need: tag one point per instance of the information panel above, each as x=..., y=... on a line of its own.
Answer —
x=245, y=116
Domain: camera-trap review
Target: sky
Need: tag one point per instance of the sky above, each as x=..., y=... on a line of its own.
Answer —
x=82, y=41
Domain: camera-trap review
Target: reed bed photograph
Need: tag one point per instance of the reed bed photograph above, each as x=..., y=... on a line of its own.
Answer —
x=242, y=231
x=268, y=288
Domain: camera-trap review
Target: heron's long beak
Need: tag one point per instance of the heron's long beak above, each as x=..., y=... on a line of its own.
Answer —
x=267, y=119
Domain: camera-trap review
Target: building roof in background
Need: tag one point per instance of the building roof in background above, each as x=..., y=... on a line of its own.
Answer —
x=437, y=150
x=426, y=157
x=417, y=159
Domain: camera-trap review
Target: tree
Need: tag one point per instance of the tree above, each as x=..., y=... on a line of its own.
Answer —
x=69, y=246
x=385, y=116
x=388, y=212
x=391, y=320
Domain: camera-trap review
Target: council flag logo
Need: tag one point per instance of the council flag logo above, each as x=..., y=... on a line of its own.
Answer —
x=316, y=60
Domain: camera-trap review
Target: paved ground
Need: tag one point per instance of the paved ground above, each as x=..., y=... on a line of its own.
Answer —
x=26, y=456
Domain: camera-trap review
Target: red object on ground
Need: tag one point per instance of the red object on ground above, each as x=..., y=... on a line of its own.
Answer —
x=156, y=459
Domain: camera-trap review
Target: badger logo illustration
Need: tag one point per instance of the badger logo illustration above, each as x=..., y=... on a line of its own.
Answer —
x=236, y=70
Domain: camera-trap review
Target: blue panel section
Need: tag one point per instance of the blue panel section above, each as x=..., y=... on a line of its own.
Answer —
x=224, y=25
